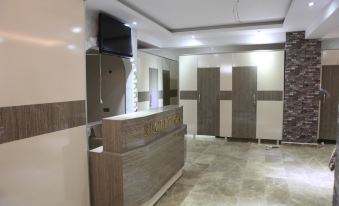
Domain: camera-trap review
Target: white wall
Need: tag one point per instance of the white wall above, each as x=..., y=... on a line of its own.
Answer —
x=270, y=77
x=42, y=61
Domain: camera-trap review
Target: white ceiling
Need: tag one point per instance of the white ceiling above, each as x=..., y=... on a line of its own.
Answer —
x=171, y=23
x=180, y=14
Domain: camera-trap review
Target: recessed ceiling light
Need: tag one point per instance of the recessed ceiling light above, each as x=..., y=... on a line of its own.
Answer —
x=76, y=29
x=310, y=4
x=71, y=46
x=193, y=37
x=126, y=25
x=135, y=23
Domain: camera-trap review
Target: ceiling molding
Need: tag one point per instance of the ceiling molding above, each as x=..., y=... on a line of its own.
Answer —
x=230, y=26
x=130, y=6
x=204, y=28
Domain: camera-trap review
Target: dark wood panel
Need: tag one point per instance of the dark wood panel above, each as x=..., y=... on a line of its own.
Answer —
x=166, y=87
x=244, y=102
x=25, y=121
x=329, y=103
x=225, y=95
x=143, y=96
x=208, y=101
x=173, y=93
x=270, y=95
x=189, y=95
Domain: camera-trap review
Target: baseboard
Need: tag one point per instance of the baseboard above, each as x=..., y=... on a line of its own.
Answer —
x=164, y=189
x=300, y=144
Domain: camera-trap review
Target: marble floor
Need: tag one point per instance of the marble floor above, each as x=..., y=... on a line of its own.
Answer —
x=247, y=174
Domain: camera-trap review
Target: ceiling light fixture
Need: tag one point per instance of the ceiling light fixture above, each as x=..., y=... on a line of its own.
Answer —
x=135, y=23
x=127, y=25
x=310, y=4
x=76, y=29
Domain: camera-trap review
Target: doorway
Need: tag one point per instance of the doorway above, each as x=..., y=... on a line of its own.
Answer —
x=244, y=105
x=208, y=101
x=153, y=88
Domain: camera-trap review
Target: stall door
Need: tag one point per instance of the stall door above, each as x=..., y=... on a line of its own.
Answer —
x=153, y=88
x=329, y=102
x=208, y=101
x=166, y=87
x=244, y=105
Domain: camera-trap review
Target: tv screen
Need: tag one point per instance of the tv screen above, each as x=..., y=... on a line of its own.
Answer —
x=114, y=36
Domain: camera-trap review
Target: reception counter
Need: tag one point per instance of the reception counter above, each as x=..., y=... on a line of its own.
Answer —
x=141, y=157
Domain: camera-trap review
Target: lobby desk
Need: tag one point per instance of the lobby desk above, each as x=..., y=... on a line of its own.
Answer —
x=141, y=157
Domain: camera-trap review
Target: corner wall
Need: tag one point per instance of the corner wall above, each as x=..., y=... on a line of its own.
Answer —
x=302, y=85
x=43, y=144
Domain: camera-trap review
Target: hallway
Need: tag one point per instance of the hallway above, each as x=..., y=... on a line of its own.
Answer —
x=248, y=174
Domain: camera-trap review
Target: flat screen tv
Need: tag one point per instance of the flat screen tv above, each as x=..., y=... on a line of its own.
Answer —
x=114, y=37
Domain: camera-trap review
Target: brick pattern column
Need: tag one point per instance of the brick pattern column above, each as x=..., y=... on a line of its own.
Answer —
x=302, y=84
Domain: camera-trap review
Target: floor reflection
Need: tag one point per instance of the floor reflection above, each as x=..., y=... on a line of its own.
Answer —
x=248, y=174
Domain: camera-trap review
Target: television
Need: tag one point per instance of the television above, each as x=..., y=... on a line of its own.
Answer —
x=114, y=37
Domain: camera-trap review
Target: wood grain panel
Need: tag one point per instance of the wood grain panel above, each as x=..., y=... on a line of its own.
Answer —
x=121, y=135
x=244, y=102
x=166, y=87
x=147, y=169
x=133, y=170
x=329, y=103
x=269, y=95
x=189, y=95
x=143, y=96
x=208, y=101
x=26, y=121
x=225, y=95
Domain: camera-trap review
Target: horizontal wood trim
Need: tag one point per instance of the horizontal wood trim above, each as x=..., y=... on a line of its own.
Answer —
x=20, y=122
x=269, y=95
x=143, y=96
x=225, y=95
x=189, y=95
x=173, y=93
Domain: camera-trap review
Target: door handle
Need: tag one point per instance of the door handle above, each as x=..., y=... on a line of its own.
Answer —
x=199, y=98
x=254, y=99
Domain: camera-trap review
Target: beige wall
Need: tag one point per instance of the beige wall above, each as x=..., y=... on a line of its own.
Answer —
x=42, y=61
x=330, y=57
x=270, y=77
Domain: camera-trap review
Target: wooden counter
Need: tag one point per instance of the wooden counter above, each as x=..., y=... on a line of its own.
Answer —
x=142, y=155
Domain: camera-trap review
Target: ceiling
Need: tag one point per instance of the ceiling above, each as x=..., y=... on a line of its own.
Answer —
x=188, y=14
x=208, y=23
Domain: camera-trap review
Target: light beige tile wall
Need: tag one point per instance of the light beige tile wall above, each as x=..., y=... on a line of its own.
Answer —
x=43, y=61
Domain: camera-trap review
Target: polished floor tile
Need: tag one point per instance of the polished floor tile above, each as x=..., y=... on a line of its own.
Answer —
x=219, y=173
